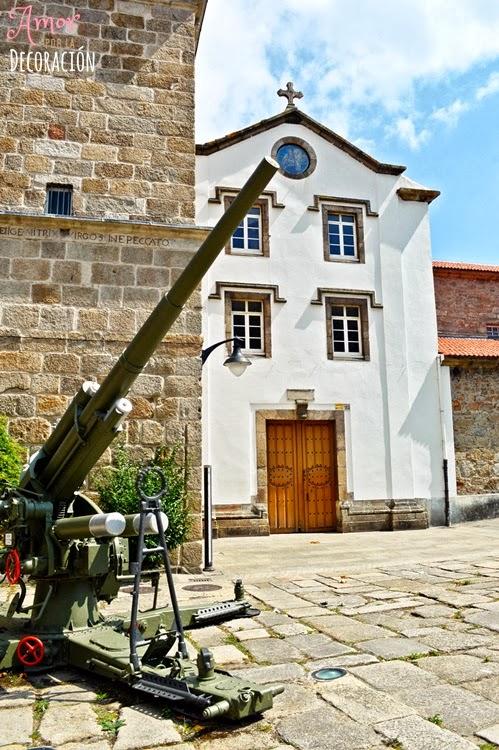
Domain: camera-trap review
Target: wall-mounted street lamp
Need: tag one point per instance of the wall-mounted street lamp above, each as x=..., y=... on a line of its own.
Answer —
x=237, y=362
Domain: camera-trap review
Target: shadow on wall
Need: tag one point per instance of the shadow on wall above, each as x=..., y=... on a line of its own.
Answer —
x=422, y=426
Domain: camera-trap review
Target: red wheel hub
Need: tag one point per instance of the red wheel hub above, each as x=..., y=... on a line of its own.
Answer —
x=30, y=651
x=13, y=566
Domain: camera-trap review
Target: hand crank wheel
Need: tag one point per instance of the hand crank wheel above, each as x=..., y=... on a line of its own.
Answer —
x=30, y=651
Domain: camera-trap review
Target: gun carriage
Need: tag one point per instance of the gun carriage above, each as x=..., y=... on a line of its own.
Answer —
x=76, y=555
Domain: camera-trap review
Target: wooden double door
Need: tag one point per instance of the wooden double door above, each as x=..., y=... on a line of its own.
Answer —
x=302, y=483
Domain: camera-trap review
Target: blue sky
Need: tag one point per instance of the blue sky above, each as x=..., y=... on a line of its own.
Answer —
x=413, y=82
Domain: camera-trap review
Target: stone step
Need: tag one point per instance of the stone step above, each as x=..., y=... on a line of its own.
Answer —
x=249, y=526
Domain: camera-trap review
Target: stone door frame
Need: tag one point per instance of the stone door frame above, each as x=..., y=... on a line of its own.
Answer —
x=337, y=416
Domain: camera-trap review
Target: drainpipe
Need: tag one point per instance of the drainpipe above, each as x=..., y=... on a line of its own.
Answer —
x=445, y=462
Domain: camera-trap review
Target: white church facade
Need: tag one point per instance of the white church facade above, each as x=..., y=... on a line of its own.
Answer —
x=340, y=422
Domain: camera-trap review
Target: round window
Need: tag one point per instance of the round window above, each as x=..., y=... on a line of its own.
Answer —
x=295, y=157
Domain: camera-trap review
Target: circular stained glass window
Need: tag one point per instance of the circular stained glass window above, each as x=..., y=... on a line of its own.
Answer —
x=295, y=157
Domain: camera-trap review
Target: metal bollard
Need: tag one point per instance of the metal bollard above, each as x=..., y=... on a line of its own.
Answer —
x=207, y=522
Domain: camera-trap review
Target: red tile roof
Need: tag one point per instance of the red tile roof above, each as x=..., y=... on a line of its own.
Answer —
x=461, y=347
x=457, y=266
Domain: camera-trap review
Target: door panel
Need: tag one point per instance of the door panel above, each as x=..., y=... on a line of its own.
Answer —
x=282, y=494
x=301, y=478
x=319, y=484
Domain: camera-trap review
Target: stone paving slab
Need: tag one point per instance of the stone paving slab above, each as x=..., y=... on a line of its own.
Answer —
x=228, y=654
x=16, y=697
x=399, y=621
x=489, y=606
x=272, y=618
x=389, y=606
x=461, y=711
x=487, y=688
x=443, y=640
x=209, y=636
x=347, y=629
x=488, y=654
x=393, y=676
x=318, y=645
x=144, y=727
x=450, y=625
x=291, y=628
x=361, y=702
x=394, y=648
x=311, y=611
x=16, y=725
x=247, y=635
x=489, y=620
x=491, y=734
x=326, y=729
x=249, y=739
x=343, y=660
x=243, y=623
x=94, y=745
x=277, y=673
x=69, y=693
x=296, y=699
x=273, y=650
x=414, y=733
x=385, y=594
x=68, y=722
x=458, y=599
x=459, y=668
x=433, y=610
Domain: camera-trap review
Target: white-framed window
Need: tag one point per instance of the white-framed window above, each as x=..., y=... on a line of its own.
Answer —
x=493, y=331
x=248, y=236
x=247, y=317
x=342, y=235
x=346, y=331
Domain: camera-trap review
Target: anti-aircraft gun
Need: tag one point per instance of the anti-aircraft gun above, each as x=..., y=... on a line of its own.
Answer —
x=76, y=555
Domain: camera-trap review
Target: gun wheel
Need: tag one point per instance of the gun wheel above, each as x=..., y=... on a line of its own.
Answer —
x=13, y=567
x=30, y=651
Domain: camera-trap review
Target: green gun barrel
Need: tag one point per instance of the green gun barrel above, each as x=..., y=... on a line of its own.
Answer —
x=89, y=431
x=99, y=525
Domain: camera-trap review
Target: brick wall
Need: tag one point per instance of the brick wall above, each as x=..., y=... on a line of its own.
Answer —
x=122, y=134
x=466, y=301
x=475, y=394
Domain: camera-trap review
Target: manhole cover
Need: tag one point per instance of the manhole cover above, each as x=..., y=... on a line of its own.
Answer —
x=142, y=589
x=202, y=587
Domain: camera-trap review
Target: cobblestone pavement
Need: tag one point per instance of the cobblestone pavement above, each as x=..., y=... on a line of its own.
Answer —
x=420, y=643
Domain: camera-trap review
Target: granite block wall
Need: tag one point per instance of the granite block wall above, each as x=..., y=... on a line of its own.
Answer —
x=72, y=297
x=98, y=95
x=475, y=401
x=104, y=102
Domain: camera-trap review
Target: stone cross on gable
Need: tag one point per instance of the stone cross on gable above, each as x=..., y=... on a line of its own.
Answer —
x=290, y=94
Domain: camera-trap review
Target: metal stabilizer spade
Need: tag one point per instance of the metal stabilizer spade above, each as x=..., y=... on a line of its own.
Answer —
x=207, y=693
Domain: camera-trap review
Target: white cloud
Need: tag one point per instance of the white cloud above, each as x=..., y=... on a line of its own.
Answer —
x=450, y=114
x=405, y=129
x=374, y=55
x=491, y=87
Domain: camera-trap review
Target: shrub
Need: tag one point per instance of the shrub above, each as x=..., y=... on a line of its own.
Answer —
x=116, y=486
x=11, y=457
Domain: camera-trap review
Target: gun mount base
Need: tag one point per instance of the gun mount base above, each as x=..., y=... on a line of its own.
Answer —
x=197, y=689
